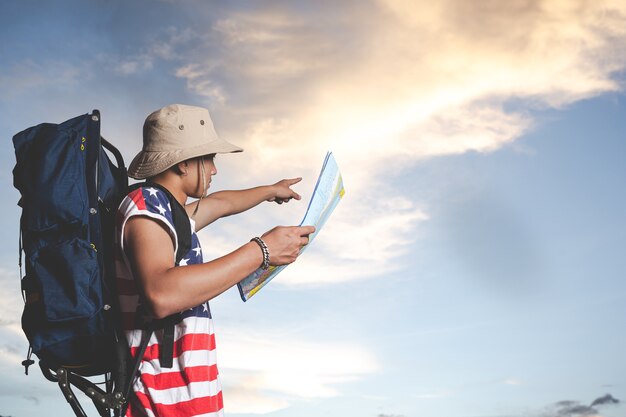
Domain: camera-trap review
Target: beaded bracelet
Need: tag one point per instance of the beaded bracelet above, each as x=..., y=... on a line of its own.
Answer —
x=265, y=250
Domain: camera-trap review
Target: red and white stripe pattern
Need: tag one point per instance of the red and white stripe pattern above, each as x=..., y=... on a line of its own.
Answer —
x=191, y=387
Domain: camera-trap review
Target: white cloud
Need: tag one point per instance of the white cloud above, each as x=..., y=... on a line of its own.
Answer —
x=402, y=82
x=272, y=368
x=28, y=76
x=411, y=66
x=215, y=245
x=395, y=83
x=384, y=84
x=14, y=344
x=359, y=242
x=512, y=381
x=128, y=67
x=272, y=41
x=247, y=397
x=362, y=241
x=11, y=303
x=140, y=60
x=199, y=84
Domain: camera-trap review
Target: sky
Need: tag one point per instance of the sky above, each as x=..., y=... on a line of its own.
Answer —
x=474, y=267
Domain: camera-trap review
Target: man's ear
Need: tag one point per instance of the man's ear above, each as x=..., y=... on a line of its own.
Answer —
x=181, y=168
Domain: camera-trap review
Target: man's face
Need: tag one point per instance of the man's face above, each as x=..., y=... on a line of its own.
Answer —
x=197, y=175
x=205, y=169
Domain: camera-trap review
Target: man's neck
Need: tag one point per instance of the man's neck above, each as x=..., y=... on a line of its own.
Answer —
x=173, y=186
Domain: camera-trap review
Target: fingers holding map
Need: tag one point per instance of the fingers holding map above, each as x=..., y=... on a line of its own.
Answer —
x=326, y=195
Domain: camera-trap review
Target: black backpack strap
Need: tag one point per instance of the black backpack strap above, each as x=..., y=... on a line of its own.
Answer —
x=145, y=338
x=166, y=352
x=183, y=235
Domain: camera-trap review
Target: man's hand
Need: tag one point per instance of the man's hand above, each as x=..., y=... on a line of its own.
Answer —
x=285, y=243
x=282, y=192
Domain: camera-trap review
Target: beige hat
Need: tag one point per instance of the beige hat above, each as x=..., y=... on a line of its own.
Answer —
x=174, y=134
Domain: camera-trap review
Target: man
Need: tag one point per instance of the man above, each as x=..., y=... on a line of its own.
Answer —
x=179, y=147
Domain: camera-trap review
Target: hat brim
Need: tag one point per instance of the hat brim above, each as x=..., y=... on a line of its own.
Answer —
x=150, y=163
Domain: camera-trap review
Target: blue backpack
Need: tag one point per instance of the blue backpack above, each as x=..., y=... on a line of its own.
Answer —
x=70, y=191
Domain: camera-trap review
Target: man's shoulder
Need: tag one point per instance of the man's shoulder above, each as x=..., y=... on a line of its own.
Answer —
x=148, y=199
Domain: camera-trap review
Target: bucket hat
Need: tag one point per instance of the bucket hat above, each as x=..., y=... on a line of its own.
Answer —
x=174, y=134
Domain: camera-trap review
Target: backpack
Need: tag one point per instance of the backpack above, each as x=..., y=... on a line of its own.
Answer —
x=70, y=191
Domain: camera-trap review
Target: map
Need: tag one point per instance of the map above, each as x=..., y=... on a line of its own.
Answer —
x=326, y=195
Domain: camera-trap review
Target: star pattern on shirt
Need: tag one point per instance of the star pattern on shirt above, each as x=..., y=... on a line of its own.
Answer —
x=153, y=191
x=157, y=201
x=161, y=209
x=202, y=310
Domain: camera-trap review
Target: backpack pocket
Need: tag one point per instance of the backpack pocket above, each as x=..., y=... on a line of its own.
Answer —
x=50, y=174
x=67, y=273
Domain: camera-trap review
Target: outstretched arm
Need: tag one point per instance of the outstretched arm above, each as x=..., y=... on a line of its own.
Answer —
x=226, y=203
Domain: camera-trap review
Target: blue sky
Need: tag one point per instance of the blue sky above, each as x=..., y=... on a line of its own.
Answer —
x=474, y=267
